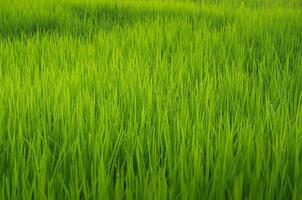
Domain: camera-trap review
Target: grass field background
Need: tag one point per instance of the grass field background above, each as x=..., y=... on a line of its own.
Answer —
x=151, y=99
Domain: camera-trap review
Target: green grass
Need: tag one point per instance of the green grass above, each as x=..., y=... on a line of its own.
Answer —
x=151, y=100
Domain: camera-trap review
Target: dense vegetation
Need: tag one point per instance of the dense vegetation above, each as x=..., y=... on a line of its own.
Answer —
x=151, y=100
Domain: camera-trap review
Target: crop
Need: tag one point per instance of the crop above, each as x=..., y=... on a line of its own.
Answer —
x=150, y=99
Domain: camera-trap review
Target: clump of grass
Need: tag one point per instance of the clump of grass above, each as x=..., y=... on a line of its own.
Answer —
x=150, y=100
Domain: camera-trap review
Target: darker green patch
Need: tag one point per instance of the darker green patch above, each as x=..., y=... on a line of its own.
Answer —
x=85, y=21
x=29, y=29
x=216, y=21
x=21, y=25
x=105, y=17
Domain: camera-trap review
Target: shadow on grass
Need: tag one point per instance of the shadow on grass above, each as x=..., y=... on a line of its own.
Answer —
x=28, y=29
x=85, y=21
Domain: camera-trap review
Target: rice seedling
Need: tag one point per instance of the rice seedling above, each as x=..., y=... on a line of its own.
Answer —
x=150, y=99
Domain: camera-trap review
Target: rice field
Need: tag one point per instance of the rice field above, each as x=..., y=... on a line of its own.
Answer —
x=151, y=99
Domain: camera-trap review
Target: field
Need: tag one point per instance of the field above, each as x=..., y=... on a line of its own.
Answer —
x=151, y=99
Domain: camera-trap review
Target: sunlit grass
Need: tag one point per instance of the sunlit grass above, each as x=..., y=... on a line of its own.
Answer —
x=150, y=100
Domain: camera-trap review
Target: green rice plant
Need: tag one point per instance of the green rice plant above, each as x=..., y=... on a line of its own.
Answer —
x=150, y=99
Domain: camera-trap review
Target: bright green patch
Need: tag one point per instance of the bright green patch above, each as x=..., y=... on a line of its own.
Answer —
x=150, y=100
